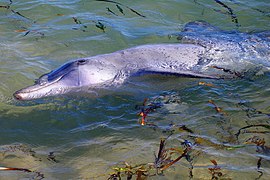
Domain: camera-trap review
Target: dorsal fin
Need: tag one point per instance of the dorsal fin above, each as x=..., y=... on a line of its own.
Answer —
x=176, y=72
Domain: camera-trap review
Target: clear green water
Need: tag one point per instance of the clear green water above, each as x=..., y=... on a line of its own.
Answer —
x=90, y=136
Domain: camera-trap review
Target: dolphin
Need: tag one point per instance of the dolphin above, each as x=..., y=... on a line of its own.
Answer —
x=202, y=47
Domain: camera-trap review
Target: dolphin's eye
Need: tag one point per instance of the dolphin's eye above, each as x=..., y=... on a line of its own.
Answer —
x=81, y=61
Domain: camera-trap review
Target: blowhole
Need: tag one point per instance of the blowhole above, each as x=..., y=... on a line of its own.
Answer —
x=81, y=61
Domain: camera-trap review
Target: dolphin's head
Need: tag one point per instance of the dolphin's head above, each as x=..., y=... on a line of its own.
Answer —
x=71, y=76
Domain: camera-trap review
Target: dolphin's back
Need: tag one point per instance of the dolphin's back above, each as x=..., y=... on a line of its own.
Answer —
x=222, y=44
x=174, y=59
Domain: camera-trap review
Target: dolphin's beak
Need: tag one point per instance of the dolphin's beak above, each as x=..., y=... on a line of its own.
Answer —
x=17, y=95
x=47, y=85
x=37, y=91
x=31, y=92
x=56, y=82
x=27, y=93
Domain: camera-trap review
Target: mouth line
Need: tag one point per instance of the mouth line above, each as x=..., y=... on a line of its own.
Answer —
x=20, y=93
x=37, y=88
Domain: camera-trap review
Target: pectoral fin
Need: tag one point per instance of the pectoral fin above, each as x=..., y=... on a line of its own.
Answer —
x=180, y=73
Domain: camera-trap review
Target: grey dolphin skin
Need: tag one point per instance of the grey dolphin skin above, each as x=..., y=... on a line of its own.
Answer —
x=202, y=47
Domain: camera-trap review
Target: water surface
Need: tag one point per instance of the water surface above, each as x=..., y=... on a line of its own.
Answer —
x=90, y=136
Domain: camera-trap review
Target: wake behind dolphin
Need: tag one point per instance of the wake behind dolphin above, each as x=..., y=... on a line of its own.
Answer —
x=203, y=46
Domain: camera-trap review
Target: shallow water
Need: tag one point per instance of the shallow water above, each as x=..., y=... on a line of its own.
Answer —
x=90, y=136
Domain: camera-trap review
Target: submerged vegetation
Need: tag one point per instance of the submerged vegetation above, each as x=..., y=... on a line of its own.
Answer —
x=182, y=146
x=191, y=145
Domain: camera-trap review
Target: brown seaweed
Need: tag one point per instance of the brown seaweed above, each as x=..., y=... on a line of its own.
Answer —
x=266, y=13
x=177, y=159
x=14, y=169
x=110, y=11
x=120, y=9
x=5, y=6
x=145, y=109
x=260, y=144
x=230, y=11
x=161, y=157
x=23, y=16
x=174, y=128
x=218, y=109
x=255, y=131
x=21, y=30
x=24, y=29
x=51, y=157
x=15, y=12
x=206, y=84
x=250, y=111
x=36, y=32
x=38, y=175
x=237, y=74
x=77, y=21
x=259, y=163
x=216, y=10
x=100, y=25
x=140, y=171
x=185, y=128
x=18, y=13
x=216, y=170
x=162, y=162
x=27, y=33
x=19, y=148
x=115, y=176
x=267, y=126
